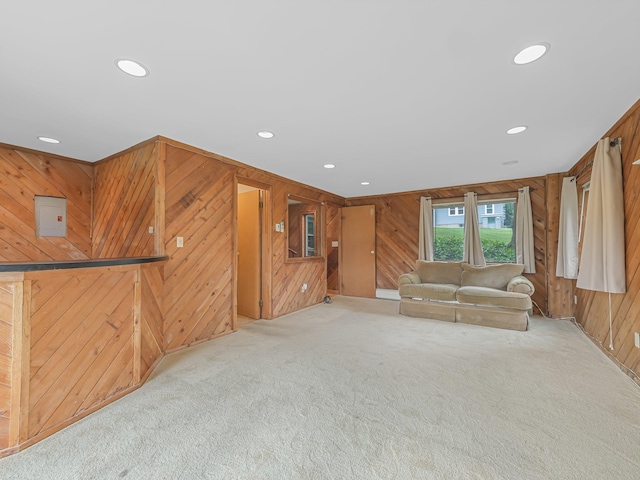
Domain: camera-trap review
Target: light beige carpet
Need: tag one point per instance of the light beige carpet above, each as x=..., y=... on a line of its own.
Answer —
x=352, y=390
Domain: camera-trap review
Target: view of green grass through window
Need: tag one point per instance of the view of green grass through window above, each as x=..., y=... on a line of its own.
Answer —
x=497, y=232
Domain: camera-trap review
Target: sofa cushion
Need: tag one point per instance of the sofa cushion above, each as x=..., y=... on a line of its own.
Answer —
x=429, y=291
x=439, y=272
x=493, y=298
x=492, y=276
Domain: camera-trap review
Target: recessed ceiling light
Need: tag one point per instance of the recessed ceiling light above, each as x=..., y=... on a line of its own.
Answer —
x=531, y=54
x=266, y=134
x=135, y=69
x=510, y=162
x=364, y=183
x=329, y=165
x=514, y=130
x=48, y=140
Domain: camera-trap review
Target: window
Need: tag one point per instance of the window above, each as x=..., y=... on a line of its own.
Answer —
x=448, y=233
x=303, y=229
x=309, y=235
x=498, y=231
x=496, y=221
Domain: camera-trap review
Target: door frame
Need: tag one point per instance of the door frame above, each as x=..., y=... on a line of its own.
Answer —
x=266, y=216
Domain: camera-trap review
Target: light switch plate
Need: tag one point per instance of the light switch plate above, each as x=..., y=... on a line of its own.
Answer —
x=637, y=340
x=179, y=242
x=150, y=229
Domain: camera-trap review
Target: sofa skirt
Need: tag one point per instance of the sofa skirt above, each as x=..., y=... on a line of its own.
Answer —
x=496, y=317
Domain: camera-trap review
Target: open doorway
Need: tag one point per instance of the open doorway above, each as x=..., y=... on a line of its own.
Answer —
x=253, y=252
x=249, y=254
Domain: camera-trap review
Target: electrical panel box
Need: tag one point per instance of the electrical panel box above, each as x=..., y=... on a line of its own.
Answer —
x=51, y=216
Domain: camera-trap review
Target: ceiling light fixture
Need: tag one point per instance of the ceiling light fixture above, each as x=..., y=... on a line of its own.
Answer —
x=133, y=68
x=266, y=134
x=48, y=140
x=531, y=54
x=364, y=183
x=514, y=130
x=510, y=162
x=329, y=165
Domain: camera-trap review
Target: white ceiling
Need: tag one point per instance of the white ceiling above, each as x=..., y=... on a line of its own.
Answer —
x=405, y=94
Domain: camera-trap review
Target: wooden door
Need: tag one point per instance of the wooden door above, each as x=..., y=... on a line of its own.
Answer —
x=249, y=258
x=358, y=259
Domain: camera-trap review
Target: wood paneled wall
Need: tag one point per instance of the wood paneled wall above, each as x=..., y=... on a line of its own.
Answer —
x=198, y=279
x=124, y=204
x=73, y=340
x=333, y=235
x=397, y=221
x=592, y=310
x=151, y=324
x=290, y=274
x=200, y=198
x=81, y=348
x=6, y=337
x=24, y=174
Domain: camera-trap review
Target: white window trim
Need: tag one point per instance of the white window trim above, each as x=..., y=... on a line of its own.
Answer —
x=458, y=209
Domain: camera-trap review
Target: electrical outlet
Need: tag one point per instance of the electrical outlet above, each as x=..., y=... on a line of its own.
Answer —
x=179, y=242
x=637, y=340
x=303, y=288
x=278, y=229
x=575, y=299
x=150, y=229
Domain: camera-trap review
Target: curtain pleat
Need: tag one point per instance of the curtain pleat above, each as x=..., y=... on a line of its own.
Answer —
x=567, y=261
x=425, y=246
x=472, y=245
x=602, y=261
x=525, y=251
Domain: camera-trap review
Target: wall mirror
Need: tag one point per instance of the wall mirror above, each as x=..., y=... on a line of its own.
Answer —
x=303, y=228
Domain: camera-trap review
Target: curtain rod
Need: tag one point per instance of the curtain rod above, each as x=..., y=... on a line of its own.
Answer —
x=612, y=143
x=462, y=196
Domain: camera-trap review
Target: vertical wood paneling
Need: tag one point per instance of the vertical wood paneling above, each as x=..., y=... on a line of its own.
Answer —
x=80, y=354
x=124, y=204
x=397, y=220
x=592, y=310
x=6, y=314
x=24, y=174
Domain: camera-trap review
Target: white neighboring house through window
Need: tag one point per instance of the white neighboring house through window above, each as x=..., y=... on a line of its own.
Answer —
x=488, y=209
x=456, y=211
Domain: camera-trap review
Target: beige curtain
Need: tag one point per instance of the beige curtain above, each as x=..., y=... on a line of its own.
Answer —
x=602, y=262
x=472, y=246
x=425, y=246
x=567, y=261
x=525, y=250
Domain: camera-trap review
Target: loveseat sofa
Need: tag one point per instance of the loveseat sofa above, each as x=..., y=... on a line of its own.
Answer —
x=494, y=296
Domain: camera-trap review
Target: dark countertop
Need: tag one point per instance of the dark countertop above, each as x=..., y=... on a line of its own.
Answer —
x=63, y=265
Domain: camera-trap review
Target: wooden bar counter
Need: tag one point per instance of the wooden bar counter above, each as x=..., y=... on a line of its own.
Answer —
x=74, y=336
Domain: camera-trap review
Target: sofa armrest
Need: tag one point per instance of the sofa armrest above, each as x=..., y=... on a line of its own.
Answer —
x=408, y=278
x=520, y=284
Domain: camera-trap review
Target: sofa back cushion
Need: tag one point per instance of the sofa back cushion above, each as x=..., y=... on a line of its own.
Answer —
x=439, y=272
x=492, y=276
